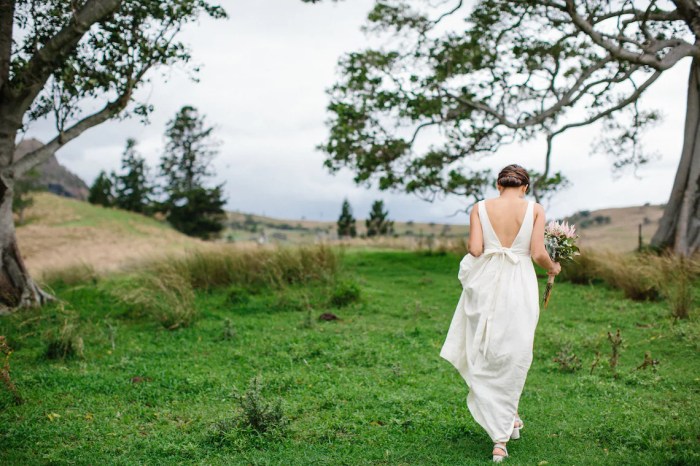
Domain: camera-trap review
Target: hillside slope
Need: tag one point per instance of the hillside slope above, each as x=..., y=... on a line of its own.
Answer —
x=620, y=232
x=61, y=232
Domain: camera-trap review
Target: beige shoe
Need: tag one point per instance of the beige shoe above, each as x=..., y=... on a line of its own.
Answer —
x=497, y=458
x=519, y=424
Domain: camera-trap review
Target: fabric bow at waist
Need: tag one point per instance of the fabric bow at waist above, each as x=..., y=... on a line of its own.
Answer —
x=507, y=252
x=483, y=330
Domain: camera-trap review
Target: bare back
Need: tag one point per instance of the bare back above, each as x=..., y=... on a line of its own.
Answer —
x=506, y=216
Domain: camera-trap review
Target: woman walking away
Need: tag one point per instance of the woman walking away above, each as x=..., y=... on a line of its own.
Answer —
x=492, y=332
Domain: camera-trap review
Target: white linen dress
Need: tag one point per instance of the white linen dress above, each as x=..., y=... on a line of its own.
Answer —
x=491, y=335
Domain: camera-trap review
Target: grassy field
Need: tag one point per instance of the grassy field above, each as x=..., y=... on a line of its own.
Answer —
x=368, y=388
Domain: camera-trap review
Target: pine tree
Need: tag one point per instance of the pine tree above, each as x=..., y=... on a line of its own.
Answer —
x=346, y=222
x=102, y=190
x=378, y=222
x=200, y=214
x=133, y=189
x=189, y=205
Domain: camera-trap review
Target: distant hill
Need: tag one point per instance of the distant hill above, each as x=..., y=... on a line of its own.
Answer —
x=617, y=228
x=53, y=176
x=242, y=226
x=614, y=228
x=60, y=232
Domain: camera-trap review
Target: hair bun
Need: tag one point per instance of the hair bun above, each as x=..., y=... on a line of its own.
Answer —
x=513, y=176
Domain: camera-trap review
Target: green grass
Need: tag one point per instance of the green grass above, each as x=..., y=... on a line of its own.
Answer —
x=369, y=388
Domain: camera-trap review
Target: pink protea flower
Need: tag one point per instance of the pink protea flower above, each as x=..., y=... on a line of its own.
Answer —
x=560, y=241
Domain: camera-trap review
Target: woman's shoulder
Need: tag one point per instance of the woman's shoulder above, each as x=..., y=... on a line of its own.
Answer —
x=537, y=207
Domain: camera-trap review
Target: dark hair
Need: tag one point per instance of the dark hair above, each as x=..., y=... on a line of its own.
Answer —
x=513, y=176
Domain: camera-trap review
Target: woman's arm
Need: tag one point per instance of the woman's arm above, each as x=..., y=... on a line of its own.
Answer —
x=476, y=235
x=537, y=250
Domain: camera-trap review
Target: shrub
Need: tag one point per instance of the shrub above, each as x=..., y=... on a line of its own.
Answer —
x=254, y=413
x=63, y=342
x=345, y=293
x=615, y=344
x=567, y=360
x=167, y=297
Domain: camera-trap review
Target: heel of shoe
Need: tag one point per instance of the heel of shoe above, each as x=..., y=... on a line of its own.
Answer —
x=516, y=433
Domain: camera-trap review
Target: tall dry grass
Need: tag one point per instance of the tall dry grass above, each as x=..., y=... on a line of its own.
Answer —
x=164, y=288
x=251, y=269
x=167, y=297
x=640, y=276
x=71, y=275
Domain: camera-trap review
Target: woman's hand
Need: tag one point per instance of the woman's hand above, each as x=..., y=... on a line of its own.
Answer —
x=555, y=270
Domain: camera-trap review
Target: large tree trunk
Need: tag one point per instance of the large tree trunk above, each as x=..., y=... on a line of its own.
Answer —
x=17, y=289
x=679, y=228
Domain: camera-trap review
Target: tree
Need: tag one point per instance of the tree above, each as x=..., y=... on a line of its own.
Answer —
x=378, y=222
x=346, y=222
x=57, y=60
x=190, y=206
x=199, y=212
x=22, y=194
x=414, y=112
x=133, y=189
x=102, y=190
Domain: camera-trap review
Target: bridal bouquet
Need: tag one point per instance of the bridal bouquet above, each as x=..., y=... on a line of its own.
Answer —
x=560, y=241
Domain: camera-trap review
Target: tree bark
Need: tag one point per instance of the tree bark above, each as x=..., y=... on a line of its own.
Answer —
x=17, y=289
x=679, y=228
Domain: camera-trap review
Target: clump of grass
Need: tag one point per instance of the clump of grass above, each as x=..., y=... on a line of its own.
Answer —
x=229, y=333
x=288, y=301
x=111, y=332
x=64, y=341
x=254, y=414
x=567, y=359
x=167, y=297
x=637, y=275
x=676, y=283
x=236, y=294
x=345, y=293
x=645, y=276
x=5, y=371
x=70, y=276
x=583, y=270
x=252, y=269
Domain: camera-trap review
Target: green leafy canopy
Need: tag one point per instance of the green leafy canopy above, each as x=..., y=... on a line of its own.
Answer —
x=450, y=85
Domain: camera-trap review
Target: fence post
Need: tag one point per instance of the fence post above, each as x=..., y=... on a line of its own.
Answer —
x=640, y=238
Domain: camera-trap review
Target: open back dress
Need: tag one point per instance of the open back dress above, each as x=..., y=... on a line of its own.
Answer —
x=490, y=338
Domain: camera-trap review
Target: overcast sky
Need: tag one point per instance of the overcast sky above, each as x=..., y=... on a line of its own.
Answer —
x=262, y=84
